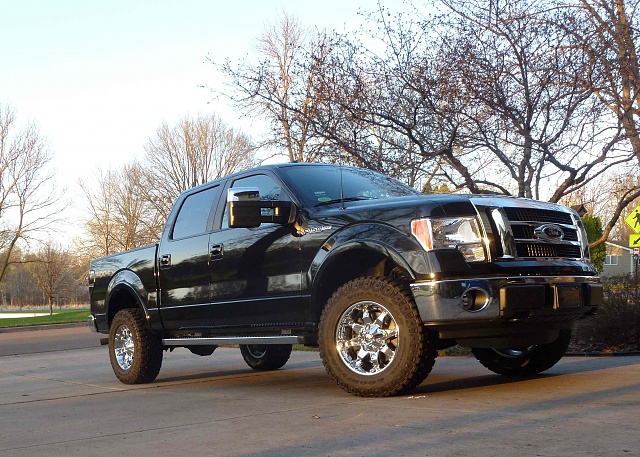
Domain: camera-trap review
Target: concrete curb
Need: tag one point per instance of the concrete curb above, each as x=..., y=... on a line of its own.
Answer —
x=602, y=354
x=29, y=328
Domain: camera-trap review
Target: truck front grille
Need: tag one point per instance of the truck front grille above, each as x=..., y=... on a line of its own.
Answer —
x=533, y=232
x=527, y=232
x=525, y=249
x=539, y=215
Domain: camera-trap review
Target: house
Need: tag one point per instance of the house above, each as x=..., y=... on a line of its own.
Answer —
x=619, y=260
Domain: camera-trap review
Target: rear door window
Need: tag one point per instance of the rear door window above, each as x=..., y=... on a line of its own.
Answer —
x=193, y=217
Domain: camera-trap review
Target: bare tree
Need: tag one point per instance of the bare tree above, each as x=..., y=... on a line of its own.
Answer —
x=282, y=86
x=128, y=207
x=192, y=152
x=511, y=118
x=606, y=34
x=17, y=288
x=27, y=199
x=52, y=268
x=120, y=215
x=99, y=223
x=384, y=106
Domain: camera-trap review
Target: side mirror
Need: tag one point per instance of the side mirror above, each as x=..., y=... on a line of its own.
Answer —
x=246, y=210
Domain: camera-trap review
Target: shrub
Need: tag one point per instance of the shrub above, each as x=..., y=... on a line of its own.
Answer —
x=616, y=326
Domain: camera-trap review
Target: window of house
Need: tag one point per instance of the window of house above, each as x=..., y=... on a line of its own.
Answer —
x=611, y=260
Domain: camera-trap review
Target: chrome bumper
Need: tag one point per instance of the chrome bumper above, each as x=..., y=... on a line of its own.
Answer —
x=506, y=297
x=91, y=322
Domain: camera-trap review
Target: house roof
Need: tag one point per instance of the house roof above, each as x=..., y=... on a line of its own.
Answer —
x=620, y=244
x=580, y=209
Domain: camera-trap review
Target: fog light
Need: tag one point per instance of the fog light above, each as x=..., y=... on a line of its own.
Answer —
x=474, y=299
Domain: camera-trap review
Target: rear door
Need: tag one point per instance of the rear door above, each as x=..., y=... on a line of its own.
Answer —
x=183, y=260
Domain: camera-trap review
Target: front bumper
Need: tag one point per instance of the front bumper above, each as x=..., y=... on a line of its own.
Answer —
x=91, y=322
x=506, y=307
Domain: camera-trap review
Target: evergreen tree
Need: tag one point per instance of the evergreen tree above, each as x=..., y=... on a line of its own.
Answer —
x=593, y=226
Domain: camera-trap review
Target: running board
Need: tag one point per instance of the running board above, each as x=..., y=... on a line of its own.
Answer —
x=284, y=339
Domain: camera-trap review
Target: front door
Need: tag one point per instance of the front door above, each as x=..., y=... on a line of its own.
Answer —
x=256, y=279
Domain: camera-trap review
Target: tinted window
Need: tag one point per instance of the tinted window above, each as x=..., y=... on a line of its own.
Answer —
x=269, y=189
x=193, y=216
x=323, y=185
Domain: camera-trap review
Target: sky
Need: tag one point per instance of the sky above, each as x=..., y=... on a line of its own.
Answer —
x=99, y=77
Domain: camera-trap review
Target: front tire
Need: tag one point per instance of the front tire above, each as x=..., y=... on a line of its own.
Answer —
x=372, y=340
x=134, y=350
x=524, y=361
x=266, y=357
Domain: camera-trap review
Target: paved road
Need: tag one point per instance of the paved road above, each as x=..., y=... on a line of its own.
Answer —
x=68, y=403
x=31, y=340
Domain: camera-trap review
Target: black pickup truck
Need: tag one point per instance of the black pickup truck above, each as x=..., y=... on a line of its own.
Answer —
x=377, y=275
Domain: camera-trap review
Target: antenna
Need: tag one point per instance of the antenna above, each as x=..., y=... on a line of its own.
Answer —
x=341, y=190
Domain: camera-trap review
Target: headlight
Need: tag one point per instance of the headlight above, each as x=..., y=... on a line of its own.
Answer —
x=461, y=233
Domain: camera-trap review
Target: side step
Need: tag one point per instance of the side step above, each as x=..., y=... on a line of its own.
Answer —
x=280, y=339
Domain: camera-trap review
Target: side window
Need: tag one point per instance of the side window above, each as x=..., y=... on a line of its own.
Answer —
x=194, y=214
x=269, y=191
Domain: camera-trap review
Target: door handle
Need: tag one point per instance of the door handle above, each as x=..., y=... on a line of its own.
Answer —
x=216, y=251
x=165, y=261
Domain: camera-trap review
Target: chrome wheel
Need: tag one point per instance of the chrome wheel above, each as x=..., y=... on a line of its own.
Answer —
x=257, y=350
x=266, y=356
x=525, y=360
x=367, y=338
x=519, y=352
x=124, y=347
x=371, y=338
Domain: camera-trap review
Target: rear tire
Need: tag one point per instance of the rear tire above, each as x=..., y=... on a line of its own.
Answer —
x=134, y=350
x=372, y=340
x=266, y=357
x=524, y=361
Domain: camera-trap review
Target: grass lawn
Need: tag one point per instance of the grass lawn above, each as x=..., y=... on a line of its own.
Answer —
x=60, y=316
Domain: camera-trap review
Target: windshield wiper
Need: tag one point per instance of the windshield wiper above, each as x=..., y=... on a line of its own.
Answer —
x=340, y=200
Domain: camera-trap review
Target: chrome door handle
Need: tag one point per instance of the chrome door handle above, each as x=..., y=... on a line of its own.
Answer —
x=165, y=261
x=216, y=251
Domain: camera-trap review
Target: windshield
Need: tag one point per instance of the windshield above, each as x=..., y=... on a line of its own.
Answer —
x=320, y=185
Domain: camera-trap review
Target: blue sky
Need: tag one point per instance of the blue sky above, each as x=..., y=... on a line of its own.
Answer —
x=98, y=77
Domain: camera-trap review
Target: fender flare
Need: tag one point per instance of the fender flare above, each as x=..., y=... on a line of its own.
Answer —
x=127, y=281
x=325, y=259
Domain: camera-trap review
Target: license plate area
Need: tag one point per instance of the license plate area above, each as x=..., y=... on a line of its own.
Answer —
x=568, y=296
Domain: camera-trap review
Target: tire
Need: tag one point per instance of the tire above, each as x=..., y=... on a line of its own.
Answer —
x=134, y=350
x=372, y=340
x=524, y=361
x=266, y=357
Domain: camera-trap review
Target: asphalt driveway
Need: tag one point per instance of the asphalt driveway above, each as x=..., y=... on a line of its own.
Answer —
x=67, y=402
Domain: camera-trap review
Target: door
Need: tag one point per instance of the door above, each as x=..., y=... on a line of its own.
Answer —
x=183, y=259
x=256, y=279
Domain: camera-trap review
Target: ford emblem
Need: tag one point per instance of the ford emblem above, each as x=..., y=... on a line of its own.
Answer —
x=549, y=232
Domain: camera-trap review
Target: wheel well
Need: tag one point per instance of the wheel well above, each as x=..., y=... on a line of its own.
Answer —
x=350, y=265
x=121, y=299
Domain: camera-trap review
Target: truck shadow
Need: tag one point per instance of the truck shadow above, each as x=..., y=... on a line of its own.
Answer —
x=221, y=372
x=312, y=372
x=584, y=365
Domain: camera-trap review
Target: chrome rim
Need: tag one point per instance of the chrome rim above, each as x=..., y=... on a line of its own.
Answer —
x=123, y=347
x=367, y=338
x=257, y=350
x=516, y=352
